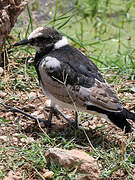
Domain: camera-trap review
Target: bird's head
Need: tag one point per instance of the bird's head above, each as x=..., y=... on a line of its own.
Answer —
x=44, y=39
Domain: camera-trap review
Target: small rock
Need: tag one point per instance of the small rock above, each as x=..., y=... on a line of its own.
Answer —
x=45, y=170
x=13, y=176
x=32, y=95
x=20, y=144
x=30, y=140
x=23, y=140
x=1, y=71
x=15, y=139
x=17, y=176
x=9, y=176
x=9, y=114
x=41, y=108
x=2, y=167
x=41, y=116
x=20, y=76
x=119, y=173
x=28, y=107
x=87, y=165
x=48, y=174
x=3, y=138
x=48, y=103
x=16, y=135
x=2, y=94
x=36, y=113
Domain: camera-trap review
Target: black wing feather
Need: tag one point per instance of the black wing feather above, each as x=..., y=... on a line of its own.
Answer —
x=74, y=63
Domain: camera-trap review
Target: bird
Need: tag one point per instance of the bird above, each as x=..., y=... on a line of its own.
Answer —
x=71, y=80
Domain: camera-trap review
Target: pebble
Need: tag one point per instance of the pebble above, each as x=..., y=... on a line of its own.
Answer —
x=3, y=138
x=41, y=108
x=32, y=95
x=16, y=134
x=36, y=113
x=48, y=102
x=15, y=139
x=23, y=140
x=28, y=140
x=1, y=71
x=48, y=174
x=2, y=94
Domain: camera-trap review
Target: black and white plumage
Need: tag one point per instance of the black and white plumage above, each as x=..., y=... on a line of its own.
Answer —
x=70, y=79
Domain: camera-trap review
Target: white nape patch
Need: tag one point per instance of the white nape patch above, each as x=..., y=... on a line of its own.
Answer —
x=52, y=62
x=61, y=43
x=37, y=32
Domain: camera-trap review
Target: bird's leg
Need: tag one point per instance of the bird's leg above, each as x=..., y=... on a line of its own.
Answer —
x=76, y=120
x=17, y=110
x=52, y=109
x=51, y=106
x=57, y=112
x=52, y=112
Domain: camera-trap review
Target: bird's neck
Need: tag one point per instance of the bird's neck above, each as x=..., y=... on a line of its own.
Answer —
x=39, y=56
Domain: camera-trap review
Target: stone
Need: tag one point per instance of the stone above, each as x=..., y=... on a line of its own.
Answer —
x=13, y=176
x=87, y=165
x=35, y=113
x=48, y=174
x=28, y=140
x=1, y=71
x=15, y=139
x=3, y=138
x=2, y=94
x=32, y=95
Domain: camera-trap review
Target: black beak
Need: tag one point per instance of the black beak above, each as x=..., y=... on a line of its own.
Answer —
x=23, y=42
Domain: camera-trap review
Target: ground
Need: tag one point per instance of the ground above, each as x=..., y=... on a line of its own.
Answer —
x=104, y=32
x=24, y=141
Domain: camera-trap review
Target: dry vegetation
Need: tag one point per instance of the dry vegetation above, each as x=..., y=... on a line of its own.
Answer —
x=23, y=142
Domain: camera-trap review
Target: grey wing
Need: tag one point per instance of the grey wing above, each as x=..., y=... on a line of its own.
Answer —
x=101, y=95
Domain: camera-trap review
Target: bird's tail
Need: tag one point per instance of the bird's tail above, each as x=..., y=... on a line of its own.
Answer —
x=117, y=118
x=129, y=115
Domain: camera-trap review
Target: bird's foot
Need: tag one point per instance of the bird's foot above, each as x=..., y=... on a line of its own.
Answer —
x=46, y=123
x=53, y=111
x=13, y=109
x=56, y=112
